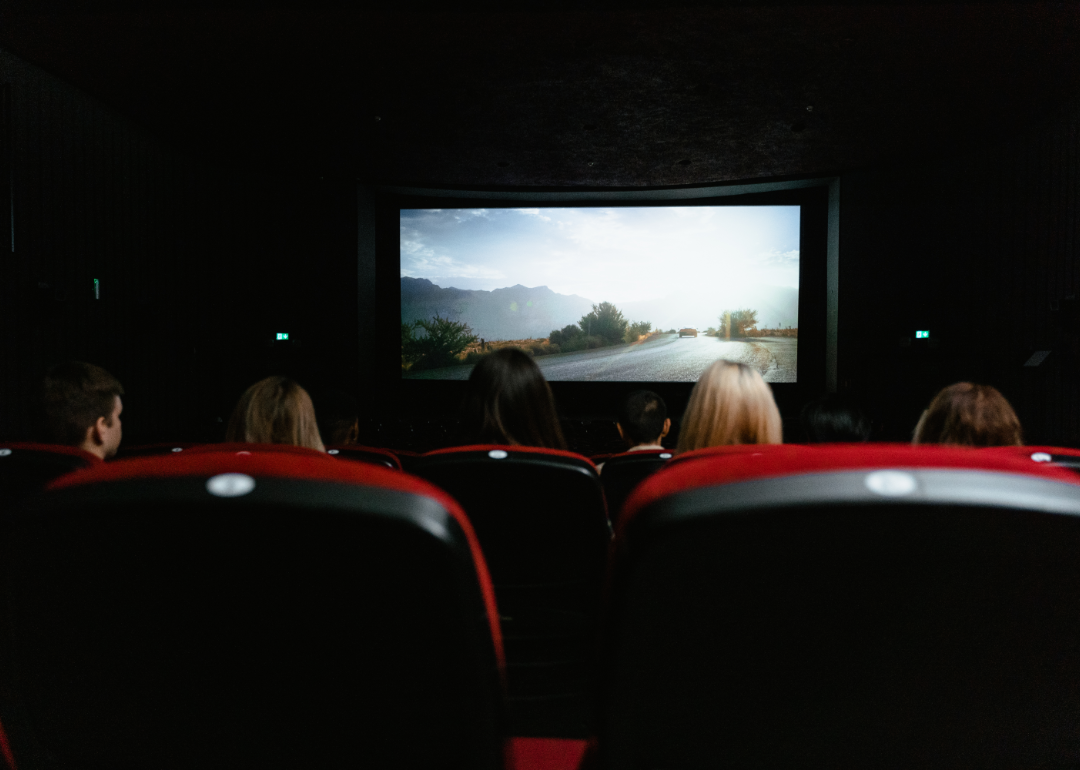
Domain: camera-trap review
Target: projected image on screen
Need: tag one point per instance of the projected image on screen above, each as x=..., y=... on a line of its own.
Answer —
x=601, y=294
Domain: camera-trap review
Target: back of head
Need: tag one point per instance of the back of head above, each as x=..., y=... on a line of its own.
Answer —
x=510, y=402
x=642, y=417
x=966, y=414
x=74, y=395
x=338, y=414
x=730, y=404
x=275, y=411
x=833, y=417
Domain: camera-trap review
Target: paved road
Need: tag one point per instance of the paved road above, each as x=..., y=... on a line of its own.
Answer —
x=666, y=358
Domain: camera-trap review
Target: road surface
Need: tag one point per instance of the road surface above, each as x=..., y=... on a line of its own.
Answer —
x=666, y=358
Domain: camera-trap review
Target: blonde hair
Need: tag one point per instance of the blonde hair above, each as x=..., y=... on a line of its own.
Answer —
x=275, y=411
x=730, y=404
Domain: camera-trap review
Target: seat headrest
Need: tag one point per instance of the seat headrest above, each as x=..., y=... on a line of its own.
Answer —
x=705, y=468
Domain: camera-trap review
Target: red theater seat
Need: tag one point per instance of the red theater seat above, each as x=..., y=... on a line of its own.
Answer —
x=407, y=458
x=241, y=448
x=26, y=468
x=623, y=472
x=365, y=454
x=261, y=610
x=153, y=450
x=539, y=516
x=1061, y=456
x=846, y=607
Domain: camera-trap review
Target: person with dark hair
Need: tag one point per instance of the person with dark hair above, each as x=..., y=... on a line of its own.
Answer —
x=965, y=414
x=275, y=411
x=338, y=416
x=510, y=402
x=81, y=407
x=834, y=418
x=643, y=421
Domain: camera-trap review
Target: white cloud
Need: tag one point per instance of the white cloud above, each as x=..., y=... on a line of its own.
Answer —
x=533, y=213
x=467, y=214
x=439, y=267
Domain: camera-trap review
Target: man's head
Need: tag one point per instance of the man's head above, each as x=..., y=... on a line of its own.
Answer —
x=643, y=419
x=81, y=408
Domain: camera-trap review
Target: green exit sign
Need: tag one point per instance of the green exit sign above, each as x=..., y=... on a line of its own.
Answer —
x=282, y=336
x=922, y=335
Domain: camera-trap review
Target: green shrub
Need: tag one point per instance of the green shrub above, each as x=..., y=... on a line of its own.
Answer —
x=636, y=330
x=605, y=321
x=567, y=333
x=443, y=342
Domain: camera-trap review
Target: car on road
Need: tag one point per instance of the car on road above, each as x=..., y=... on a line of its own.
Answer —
x=687, y=332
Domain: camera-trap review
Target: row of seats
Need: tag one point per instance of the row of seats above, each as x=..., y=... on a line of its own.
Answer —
x=762, y=606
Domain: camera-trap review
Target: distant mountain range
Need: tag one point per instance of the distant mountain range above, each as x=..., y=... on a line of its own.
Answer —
x=514, y=313
x=519, y=312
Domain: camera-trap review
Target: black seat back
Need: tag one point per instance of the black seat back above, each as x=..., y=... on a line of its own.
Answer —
x=622, y=472
x=331, y=616
x=363, y=454
x=912, y=616
x=539, y=516
x=26, y=468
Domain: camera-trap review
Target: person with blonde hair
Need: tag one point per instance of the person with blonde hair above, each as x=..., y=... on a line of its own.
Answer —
x=730, y=404
x=966, y=414
x=275, y=411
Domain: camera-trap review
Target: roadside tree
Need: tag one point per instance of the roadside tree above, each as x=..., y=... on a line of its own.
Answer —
x=738, y=323
x=605, y=321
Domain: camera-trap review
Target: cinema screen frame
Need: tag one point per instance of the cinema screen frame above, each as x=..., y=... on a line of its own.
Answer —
x=817, y=200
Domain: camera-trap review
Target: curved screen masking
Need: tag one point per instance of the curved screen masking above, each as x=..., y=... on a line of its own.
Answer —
x=649, y=293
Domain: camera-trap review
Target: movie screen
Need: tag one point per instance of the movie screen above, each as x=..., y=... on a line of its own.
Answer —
x=601, y=294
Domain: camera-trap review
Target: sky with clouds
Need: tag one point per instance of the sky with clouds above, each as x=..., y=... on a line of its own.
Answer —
x=617, y=255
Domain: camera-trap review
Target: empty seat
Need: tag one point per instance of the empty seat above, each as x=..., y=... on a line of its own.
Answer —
x=26, y=468
x=539, y=516
x=846, y=607
x=267, y=610
x=623, y=472
x=365, y=454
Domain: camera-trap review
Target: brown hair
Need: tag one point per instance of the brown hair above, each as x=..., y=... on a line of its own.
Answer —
x=510, y=402
x=74, y=395
x=730, y=404
x=275, y=411
x=969, y=415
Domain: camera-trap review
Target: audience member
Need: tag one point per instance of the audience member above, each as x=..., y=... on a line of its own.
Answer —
x=969, y=415
x=510, y=402
x=643, y=421
x=338, y=417
x=275, y=411
x=730, y=404
x=81, y=408
x=833, y=418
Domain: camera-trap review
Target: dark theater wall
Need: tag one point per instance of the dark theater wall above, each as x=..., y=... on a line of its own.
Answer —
x=976, y=246
x=197, y=267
